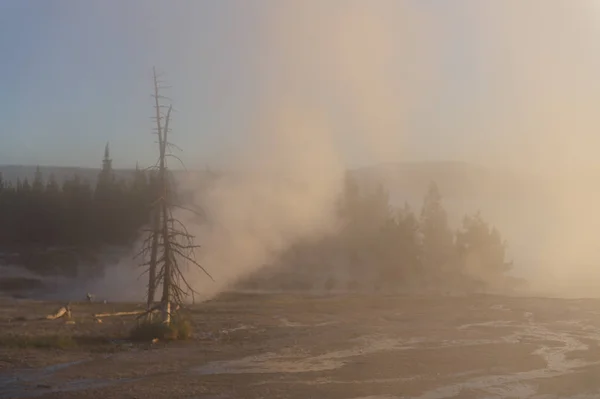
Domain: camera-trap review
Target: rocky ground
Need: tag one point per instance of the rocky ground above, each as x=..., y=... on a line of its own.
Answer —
x=284, y=346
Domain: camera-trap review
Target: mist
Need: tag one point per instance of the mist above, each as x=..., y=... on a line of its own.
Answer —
x=343, y=84
x=362, y=199
x=284, y=183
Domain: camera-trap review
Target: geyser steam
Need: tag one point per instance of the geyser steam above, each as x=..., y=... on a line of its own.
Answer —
x=508, y=84
x=333, y=71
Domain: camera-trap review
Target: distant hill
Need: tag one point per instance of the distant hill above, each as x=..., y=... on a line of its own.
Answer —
x=406, y=182
x=455, y=179
x=61, y=173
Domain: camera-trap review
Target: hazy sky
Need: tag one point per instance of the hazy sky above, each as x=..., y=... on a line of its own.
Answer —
x=501, y=82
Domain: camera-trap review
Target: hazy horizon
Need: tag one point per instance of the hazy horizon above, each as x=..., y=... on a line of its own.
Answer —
x=466, y=81
x=292, y=94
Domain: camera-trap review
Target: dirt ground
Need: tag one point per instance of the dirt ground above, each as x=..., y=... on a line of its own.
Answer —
x=289, y=346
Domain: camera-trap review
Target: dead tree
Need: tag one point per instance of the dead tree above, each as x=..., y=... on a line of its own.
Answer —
x=155, y=220
x=155, y=211
x=168, y=244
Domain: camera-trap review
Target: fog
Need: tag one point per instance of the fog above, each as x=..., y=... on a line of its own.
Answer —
x=285, y=183
x=510, y=85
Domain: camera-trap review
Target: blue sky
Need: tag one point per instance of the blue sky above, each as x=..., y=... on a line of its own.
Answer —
x=76, y=74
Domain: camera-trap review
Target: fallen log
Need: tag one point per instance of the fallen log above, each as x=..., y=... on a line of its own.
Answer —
x=157, y=308
x=139, y=313
x=133, y=313
x=64, y=311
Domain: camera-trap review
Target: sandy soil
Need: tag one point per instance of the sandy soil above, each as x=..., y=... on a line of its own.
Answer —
x=346, y=347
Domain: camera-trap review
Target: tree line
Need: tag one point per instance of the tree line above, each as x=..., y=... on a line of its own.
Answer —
x=379, y=247
x=376, y=247
x=44, y=213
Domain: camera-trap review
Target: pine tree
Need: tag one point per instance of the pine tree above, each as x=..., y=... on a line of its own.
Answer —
x=107, y=215
x=482, y=251
x=52, y=187
x=107, y=176
x=25, y=186
x=438, y=258
x=408, y=244
x=38, y=182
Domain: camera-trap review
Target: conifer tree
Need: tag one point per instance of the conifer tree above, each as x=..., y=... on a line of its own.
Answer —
x=437, y=238
x=482, y=251
x=38, y=182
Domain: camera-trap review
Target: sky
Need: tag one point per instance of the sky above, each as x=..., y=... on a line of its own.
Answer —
x=497, y=82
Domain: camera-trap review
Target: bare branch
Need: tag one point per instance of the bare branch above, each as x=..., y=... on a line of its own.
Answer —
x=179, y=159
x=175, y=146
x=193, y=261
x=167, y=241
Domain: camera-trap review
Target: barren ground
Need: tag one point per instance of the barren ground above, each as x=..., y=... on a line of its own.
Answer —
x=287, y=346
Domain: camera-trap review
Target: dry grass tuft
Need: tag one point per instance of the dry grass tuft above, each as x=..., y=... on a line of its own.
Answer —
x=180, y=329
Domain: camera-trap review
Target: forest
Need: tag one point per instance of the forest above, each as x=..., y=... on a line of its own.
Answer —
x=44, y=213
x=376, y=245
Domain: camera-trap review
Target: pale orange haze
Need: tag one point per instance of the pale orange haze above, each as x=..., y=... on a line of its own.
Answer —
x=511, y=85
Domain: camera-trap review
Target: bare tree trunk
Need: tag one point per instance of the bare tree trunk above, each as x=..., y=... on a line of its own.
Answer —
x=169, y=242
x=157, y=211
x=166, y=294
x=166, y=239
x=153, y=254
